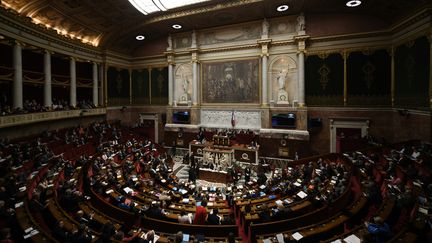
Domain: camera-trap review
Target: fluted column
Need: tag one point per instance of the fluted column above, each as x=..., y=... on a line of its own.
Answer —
x=170, y=83
x=264, y=80
x=47, y=83
x=72, y=69
x=18, y=76
x=301, y=78
x=95, y=85
x=195, y=83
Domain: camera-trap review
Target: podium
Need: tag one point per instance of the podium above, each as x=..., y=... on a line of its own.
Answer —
x=221, y=140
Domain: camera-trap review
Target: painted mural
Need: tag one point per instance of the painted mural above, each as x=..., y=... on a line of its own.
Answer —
x=231, y=81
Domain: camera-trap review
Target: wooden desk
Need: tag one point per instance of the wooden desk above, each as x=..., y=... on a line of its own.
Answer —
x=213, y=176
x=242, y=153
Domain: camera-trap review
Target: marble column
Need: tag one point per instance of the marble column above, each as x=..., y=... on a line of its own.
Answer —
x=47, y=83
x=95, y=85
x=18, y=77
x=72, y=69
x=195, y=83
x=170, y=83
x=264, y=100
x=301, y=79
x=345, y=80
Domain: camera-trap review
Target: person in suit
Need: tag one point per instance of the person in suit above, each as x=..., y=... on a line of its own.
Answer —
x=379, y=230
x=178, y=237
x=60, y=232
x=214, y=218
x=264, y=214
x=82, y=235
x=247, y=174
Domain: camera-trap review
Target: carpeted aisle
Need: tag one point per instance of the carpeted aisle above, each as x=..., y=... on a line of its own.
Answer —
x=241, y=231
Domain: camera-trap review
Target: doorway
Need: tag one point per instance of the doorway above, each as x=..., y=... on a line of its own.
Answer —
x=347, y=135
x=150, y=123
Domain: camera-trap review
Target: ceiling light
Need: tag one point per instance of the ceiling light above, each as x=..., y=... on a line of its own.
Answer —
x=353, y=3
x=140, y=37
x=282, y=8
x=177, y=26
x=151, y=6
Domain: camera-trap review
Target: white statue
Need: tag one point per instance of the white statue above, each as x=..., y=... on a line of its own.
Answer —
x=301, y=23
x=185, y=84
x=281, y=79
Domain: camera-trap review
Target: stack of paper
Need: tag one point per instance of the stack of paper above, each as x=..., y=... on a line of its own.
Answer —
x=280, y=238
x=352, y=239
x=302, y=194
x=20, y=204
x=297, y=236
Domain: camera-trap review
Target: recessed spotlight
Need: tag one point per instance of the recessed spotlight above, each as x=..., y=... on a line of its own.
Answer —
x=353, y=3
x=282, y=8
x=177, y=26
x=140, y=37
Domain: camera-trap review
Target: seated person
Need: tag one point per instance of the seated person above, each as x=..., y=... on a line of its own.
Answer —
x=149, y=237
x=214, y=218
x=60, y=232
x=379, y=230
x=119, y=236
x=264, y=214
x=82, y=235
x=184, y=218
x=155, y=211
x=279, y=213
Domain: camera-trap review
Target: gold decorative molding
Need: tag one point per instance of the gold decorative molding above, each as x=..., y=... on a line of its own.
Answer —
x=205, y=9
x=194, y=56
x=23, y=119
x=229, y=48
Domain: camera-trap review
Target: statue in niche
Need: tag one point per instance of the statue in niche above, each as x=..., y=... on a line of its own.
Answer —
x=185, y=84
x=265, y=28
x=281, y=79
x=301, y=25
x=184, y=98
x=282, y=95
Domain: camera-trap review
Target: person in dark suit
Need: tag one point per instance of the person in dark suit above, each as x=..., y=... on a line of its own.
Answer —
x=379, y=230
x=214, y=218
x=264, y=214
x=247, y=174
x=82, y=235
x=155, y=211
x=60, y=232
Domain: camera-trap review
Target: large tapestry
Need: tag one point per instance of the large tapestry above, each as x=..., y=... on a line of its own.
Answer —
x=118, y=86
x=231, y=82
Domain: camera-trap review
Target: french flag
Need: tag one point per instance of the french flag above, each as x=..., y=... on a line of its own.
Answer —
x=233, y=119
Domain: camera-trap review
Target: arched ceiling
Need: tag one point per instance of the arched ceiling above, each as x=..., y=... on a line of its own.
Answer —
x=113, y=24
